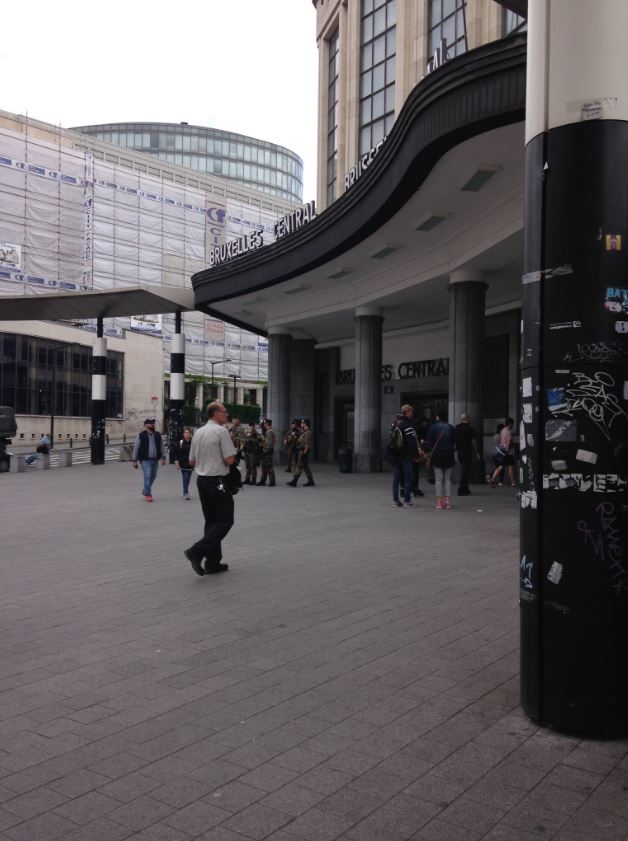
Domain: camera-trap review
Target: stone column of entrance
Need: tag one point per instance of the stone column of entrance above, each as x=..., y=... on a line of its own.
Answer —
x=177, y=389
x=99, y=396
x=302, y=360
x=467, y=296
x=279, y=358
x=368, y=389
x=574, y=426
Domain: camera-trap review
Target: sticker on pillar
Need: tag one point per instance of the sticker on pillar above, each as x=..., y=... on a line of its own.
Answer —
x=555, y=573
x=561, y=430
x=527, y=412
x=528, y=499
x=530, y=439
x=526, y=569
x=616, y=300
x=558, y=464
x=522, y=436
x=625, y=389
x=565, y=325
x=621, y=326
x=556, y=399
x=612, y=242
x=587, y=456
x=602, y=483
x=526, y=386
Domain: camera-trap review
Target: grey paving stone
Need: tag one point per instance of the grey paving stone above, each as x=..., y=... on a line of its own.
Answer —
x=128, y=788
x=470, y=814
x=80, y=782
x=196, y=817
x=100, y=829
x=437, y=830
x=34, y=802
x=292, y=799
x=316, y=825
x=87, y=807
x=269, y=777
x=235, y=796
x=140, y=812
x=402, y=814
x=49, y=827
x=257, y=821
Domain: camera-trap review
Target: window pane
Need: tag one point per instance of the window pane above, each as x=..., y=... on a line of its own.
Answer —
x=378, y=105
x=366, y=111
x=379, y=49
x=365, y=139
x=367, y=29
x=367, y=56
x=378, y=77
x=379, y=23
x=378, y=132
x=367, y=83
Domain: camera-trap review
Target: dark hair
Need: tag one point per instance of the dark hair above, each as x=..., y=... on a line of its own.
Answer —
x=188, y=429
x=268, y=421
x=508, y=422
x=442, y=414
x=499, y=427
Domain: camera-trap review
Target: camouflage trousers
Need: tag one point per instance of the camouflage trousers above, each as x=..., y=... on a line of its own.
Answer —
x=303, y=467
x=268, y=471
x=251, y=463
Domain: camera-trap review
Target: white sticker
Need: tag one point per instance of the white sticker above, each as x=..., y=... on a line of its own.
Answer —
x=586, y=455
x=625, y=389
x=555, y=573
x=559, y=464
x=527, y=412
x=530, y=439
x=527, y=386
x=522, y=437
x=621, y=326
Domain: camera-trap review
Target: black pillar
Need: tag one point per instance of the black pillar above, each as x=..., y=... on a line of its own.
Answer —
x=99, y=396
x=177, y=389
x=574, y=424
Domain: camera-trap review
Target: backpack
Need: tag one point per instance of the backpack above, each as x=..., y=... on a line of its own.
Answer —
x=397, y=447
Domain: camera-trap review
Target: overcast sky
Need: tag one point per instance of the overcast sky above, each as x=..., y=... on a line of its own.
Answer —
x=248, y=66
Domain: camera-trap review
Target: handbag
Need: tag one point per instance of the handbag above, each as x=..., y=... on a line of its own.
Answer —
x=428, y=460
x=232, y=482
x=498, y=455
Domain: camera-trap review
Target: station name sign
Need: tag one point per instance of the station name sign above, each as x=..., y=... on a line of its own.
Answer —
x=242, y=245
x=362, y=165
x=405, y=371
x=293, y=221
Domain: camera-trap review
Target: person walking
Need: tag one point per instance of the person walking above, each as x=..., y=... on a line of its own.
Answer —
x=148, y=451
x=268, y=453
x=304, y=445
x=466, y=450
x=403, y=455
x=183, y=460
x=252, y=454
x=503, y=455
x=290, y=441
x=211, y=455
x=441, y=442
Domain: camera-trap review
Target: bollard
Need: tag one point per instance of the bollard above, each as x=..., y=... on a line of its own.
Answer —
x=17, y=464
x=65, y=458
x=45, y=458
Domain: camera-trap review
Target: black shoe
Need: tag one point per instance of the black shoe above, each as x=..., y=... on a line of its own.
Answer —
x=464, y=493
x=292, y=484
x=196, y=565
x=260, y=484
x=288, y=470
x=417, y=492
x=308, y=485
x=271, y=484
x=246, y=482
x=216, y=568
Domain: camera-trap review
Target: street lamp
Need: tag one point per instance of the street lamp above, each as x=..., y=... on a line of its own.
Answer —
x=218, y=362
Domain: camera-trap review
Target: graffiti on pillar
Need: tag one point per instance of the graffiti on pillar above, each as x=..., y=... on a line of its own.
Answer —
x=603, y=537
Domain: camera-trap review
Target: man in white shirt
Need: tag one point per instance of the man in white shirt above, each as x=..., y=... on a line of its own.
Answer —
x=211, y=454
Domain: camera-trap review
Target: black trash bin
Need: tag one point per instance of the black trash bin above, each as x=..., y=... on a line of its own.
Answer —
x=345, y=459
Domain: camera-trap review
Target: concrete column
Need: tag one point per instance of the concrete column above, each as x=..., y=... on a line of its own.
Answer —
x=220, y=397
x=302, y=381
x=239, y=394
x=368, y=389
x=177, y=388
x=279, y=359
x=99, y=395
x=198, y=397
x=467, y=294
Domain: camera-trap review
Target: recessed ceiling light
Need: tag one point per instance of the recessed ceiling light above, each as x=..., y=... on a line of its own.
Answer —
x=383, y=252
x=296, y=290
x=340, y=273
x=479, y=178
x=430, y=220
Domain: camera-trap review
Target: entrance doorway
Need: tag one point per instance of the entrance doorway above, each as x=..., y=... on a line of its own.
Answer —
x=425, y=405
x=343, y=424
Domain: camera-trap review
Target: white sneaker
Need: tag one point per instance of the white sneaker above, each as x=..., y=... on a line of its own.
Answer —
x=408, y=504
x=397, y=504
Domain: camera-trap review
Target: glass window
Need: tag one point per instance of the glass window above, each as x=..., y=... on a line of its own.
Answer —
x=447, y=22
x=377, y=69
x=333, y=46
x=512, y=23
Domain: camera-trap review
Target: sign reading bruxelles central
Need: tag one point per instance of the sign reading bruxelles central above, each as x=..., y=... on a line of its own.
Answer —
x=286, y=225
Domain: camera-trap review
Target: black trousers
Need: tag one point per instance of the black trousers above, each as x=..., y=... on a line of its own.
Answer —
x=465, y=469
x=218, y=512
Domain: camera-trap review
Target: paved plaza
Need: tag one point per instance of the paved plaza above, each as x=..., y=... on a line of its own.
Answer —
x=353, y=676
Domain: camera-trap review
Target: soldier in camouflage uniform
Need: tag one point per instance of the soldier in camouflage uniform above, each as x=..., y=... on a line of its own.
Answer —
x=237, y=435
x=252, y=452
x=305, y=447
x=268, y=451
x=290, y=442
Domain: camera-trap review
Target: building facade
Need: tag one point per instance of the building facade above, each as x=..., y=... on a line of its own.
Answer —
x=256, y=164
x=80, y=215
x=407, y=285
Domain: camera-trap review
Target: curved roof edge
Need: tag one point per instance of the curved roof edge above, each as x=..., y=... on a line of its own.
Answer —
x=474, y=93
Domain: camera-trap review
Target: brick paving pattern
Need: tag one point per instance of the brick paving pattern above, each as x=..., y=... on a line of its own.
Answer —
x=353, y=676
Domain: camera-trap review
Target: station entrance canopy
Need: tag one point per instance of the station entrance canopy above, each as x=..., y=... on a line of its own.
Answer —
x=114, y=303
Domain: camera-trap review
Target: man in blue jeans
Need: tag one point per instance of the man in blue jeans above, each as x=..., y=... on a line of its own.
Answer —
x=403, y=460
x=148, y=451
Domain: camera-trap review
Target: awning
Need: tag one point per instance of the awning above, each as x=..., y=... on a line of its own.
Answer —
x=108, y=303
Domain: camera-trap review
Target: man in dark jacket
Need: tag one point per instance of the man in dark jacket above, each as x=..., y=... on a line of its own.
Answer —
x=148, y=451
x=465, y=450
x=403, y=460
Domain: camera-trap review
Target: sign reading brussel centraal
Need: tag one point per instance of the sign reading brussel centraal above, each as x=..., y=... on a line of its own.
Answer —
x=362, y=165
x=286, y=225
